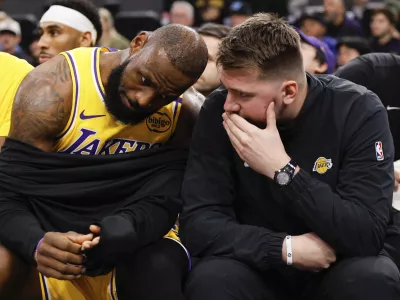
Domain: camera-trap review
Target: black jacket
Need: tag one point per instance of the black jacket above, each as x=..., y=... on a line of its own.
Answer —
x=230, y=210
x=41, y=192
x=380, y=73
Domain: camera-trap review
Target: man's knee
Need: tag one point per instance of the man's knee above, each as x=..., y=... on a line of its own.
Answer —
x=223, y=278
x=15, y=275
x=380, y=272
x=164, y=256
x=7, y=266
x=363, y=278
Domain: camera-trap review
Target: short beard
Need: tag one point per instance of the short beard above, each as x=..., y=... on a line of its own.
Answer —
x=114, y=104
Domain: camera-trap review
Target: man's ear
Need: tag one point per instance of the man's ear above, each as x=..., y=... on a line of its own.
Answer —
x=289, y=89
x=86, y=40
x=322, y=68
x=138, y=42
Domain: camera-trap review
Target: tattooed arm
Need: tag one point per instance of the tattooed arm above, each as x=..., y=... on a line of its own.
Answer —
x=43, y=104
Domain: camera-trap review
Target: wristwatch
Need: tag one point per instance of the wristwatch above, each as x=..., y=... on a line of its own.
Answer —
x=285, y=175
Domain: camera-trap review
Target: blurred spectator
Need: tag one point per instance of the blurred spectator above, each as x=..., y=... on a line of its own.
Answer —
x=10, y=37
x=210, y=10
x=382, y=25
x=317, y=57
x=351, y=47
x=315, y=25
x=34, y=48
x=338, y=23
x=358, y=8
x=363, y=14
x=182, y=12
x=239, y=11
x=3, y=16
x=110, y=37
x=68, y=24
x=212, y=35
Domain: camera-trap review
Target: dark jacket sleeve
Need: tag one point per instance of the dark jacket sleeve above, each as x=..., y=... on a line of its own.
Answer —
x=353, y=218
x=20, y=230
x=145, y=218
x=208, y=223
x=157, y=209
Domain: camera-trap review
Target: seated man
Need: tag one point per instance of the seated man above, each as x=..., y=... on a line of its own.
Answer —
x=58, y=33
x=66, y=25
x=100, y=105
x=289, y=182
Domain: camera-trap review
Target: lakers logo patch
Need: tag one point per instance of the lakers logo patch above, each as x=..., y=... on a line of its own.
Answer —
x=322, y=165
x=159, y=122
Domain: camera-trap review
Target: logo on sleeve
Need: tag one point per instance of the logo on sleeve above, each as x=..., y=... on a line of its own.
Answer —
x=322, y=165
x=379, y=151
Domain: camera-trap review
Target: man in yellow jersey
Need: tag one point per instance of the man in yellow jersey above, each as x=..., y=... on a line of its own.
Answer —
x=66, y=25
x=78, y=26
x=13, y=71
x=115, y=122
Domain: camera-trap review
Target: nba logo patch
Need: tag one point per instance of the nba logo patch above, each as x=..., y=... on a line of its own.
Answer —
x=379, y=151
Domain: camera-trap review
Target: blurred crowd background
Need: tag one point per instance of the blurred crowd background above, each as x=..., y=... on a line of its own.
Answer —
x=341, y=29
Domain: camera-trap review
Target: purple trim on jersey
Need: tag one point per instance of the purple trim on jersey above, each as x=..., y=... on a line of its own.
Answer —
x=112, y=49
x=176, y=104
x=76, y=95
x=96, y=74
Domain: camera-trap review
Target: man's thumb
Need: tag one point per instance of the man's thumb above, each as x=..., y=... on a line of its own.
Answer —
x=79, y=238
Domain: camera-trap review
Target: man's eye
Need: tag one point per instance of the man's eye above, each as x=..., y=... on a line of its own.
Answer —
x=146, y=81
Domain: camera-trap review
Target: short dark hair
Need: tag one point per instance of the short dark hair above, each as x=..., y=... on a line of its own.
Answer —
x=354, y=42
x=387, y=13
x=263, y=42
x=85, y=7
x=185, y=48
x=214, y=30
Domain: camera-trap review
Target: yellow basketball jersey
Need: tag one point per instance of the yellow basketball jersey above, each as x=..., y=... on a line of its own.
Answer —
x=92, y=130
x=12, y=71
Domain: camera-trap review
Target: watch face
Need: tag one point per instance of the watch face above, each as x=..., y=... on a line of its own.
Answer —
x=283, y=178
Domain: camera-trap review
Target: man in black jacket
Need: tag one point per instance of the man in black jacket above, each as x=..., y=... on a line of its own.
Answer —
x=289, y=182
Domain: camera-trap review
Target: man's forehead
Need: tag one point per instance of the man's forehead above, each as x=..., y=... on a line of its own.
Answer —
x=239, y=75
x=53, y=25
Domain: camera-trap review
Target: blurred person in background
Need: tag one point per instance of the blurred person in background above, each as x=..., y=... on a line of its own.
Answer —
x=317, y=58
x=10, y=37
x=362, y=11
x=34, y=48
x=383, y=24
x=212, y=35
x=210, y=10
x=61, y=31
x=394, y=7
x=315, y=25
x=338, y=23
x=351, y=47
x=238, y=12
x=110, y=37
x=182, y=12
